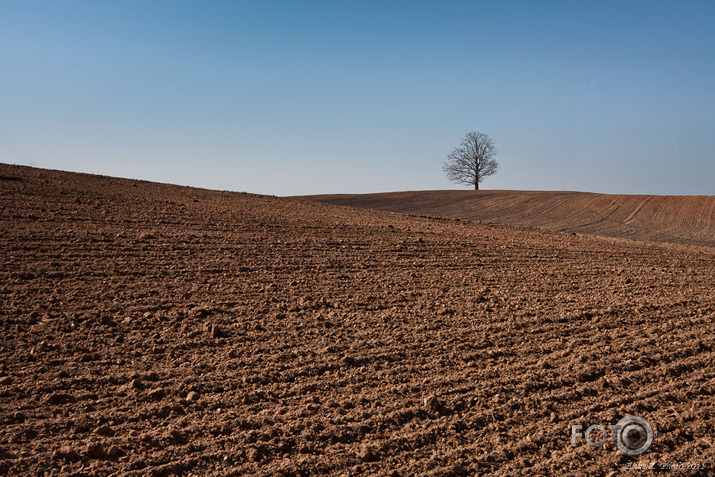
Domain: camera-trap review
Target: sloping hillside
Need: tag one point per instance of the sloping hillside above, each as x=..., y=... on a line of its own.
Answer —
x=682, y=219
x=151, y=329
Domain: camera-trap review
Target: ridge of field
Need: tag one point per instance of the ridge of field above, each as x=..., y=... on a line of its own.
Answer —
x=152, y=329
x=678, y=219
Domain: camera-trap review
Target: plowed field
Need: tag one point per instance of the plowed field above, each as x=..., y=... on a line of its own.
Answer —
x=151, y=329
x=677, y=219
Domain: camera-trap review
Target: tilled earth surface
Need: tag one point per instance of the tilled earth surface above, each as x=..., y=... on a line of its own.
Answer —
x=657, y=218
x=152, y=329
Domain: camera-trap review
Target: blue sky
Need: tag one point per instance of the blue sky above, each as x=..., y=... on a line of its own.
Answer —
x=302, y=97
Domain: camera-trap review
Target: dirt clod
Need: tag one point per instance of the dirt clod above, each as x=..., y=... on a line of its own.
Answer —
x=67, y=454
x=366, y=453
x=114, y=452
x=104, y=430
x=253, y=454
x=431, y=403
x=95, y=450
x=156, y=394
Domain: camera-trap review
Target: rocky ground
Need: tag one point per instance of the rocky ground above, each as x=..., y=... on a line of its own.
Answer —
x=151, y=329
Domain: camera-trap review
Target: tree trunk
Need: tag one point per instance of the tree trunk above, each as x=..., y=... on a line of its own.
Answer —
x=476, y=186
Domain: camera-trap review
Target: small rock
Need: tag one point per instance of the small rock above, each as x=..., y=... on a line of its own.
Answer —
x=136, y=384
x=192, y=396
x=5, y=380
x=216, y=331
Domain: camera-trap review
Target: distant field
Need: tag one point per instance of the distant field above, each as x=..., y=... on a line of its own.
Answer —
x=679, y=219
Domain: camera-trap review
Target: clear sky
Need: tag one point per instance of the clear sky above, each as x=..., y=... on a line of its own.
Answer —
x=302, y=97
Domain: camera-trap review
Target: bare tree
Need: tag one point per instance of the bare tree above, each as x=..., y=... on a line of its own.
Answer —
x=472, y=161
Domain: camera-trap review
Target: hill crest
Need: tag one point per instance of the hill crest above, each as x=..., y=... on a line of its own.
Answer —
x=677, y=219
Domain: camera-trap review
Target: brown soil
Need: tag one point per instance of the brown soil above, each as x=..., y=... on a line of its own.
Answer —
x=152, y=329
x=677, y=219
